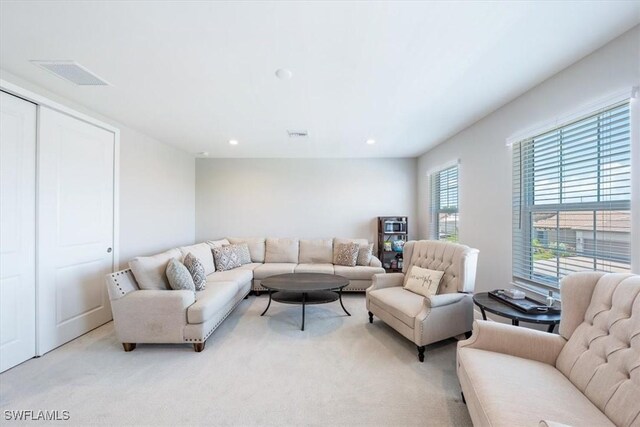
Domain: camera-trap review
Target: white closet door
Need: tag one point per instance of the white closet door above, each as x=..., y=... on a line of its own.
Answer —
x=75, y=220
x=17, y=230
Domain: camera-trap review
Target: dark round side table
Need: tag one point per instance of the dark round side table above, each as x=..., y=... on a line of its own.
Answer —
x=486, y=303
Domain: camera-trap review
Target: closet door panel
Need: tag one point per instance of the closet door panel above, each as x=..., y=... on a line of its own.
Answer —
x=17, y=230
x=76, y=227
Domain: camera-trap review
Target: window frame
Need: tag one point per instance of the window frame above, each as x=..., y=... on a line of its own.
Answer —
x=524, y=206
x=435, y=210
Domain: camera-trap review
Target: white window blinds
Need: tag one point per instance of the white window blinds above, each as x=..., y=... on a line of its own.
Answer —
x=571, y=199
x=444, y=204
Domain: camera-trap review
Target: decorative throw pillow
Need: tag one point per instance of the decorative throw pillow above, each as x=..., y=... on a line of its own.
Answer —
x=364, y=254
x=423, y=281
x=179, y=277
x=256, y=246
x=202, y=251
x=196, y=269
x=346, y=254
x=226, y=257
x=151, y=271
x=243, y=253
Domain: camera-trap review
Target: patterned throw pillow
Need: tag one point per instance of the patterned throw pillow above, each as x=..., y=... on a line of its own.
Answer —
x=346, y=254
x=423, y=281
x=226, y=257
x=243, y=253
x=196, y=269
x=179, y=277
x=364, y=254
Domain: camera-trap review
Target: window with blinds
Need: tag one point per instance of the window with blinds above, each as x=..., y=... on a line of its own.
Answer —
x=444, y=204
x=572, y=199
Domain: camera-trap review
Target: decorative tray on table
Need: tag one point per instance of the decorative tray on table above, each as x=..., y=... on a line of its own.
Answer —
x=526, y=305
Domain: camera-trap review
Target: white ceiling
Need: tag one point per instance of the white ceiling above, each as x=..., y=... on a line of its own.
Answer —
x=408, y=74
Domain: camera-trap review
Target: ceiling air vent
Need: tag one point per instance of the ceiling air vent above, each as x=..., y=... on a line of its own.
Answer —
x=298, y=133
x=71, y=71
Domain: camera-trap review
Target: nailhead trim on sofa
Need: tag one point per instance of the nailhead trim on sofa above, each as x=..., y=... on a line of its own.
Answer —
x=116, y=282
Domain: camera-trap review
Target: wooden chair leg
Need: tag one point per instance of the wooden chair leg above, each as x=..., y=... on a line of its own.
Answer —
x=370, y=317
x=198, y=346
x=421, y=349
x=129, y=346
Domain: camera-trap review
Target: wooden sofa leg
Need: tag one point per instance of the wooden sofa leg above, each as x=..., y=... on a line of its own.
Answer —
x=129, y=346
x=370, y=317
x=467, y=334
x=198, y=346
x=463, y=399
x=421, y=349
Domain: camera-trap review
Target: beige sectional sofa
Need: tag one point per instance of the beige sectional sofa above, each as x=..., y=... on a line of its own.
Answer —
x=588, y=375
x=145, y=312
x=279, y=256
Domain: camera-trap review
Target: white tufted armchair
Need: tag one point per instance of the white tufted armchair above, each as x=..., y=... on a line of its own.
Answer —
x=425, y=320
x=587, y=375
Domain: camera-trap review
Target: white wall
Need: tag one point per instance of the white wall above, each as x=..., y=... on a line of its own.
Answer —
x=485, y=161
x=157, y=196
x=157, y=186
x=304, y=198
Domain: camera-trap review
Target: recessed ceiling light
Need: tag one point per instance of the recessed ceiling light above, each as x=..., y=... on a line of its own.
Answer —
x=204, y=153
x=283, y=74
x=233, y=141
x=371, y=141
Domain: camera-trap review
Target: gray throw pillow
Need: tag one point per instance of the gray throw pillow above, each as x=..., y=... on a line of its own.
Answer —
x=179, y=277
x=364, y=254
x=226, y=257
x=243, y=253
x=196, y=269
x=346, y=254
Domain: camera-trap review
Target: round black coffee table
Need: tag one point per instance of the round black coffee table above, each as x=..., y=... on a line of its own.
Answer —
x=304, y=289
x=486, y=303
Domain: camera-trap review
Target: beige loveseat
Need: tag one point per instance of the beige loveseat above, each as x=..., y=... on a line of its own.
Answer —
x=588, y=375
x=145, y=311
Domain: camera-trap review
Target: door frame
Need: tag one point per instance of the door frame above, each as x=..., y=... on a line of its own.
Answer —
x=41, y=100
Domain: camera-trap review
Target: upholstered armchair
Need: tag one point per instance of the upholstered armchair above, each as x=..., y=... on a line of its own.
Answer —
x=425, y=320
x=586, y=375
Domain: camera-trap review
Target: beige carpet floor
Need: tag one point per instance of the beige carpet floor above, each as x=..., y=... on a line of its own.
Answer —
x=254, y=371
